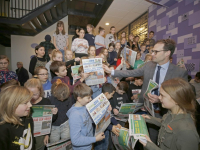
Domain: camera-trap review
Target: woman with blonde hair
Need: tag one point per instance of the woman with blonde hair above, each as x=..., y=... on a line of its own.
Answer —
x=16, y=127
x=90, y=35
x=177, y=127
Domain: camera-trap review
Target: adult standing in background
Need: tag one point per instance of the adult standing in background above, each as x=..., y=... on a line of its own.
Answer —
x=60, y=38
x=47, y=45
x=152, y=41
x=111, y=37
x=22, y=73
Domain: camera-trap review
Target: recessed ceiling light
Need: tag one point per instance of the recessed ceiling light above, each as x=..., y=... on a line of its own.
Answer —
x=97, y=4
x=107, y=23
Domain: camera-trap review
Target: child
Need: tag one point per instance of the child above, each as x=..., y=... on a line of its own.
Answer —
x=108, y=90
x=80, y=45
x=37, y=60
x=150, y=49
x=147, y=43
x=42, y=75
x=49, y=63
x=62, y=100
x=84, y=57
x=138, y=61
x=104, y=51
x=91, y=52
x=35, y=86
x=177, y=127
x=59, y=69
x=90, y=36
x=196, y=83
x=5, y=74
x=111, y=37
x=70, y=62
x=119, y=97
x=16, y=127
x=136, y=84
x=143, y=53
x=112, y=55
x=80, y=122
x=123, y=42
x=100, y=41
x=60, y=38
x=148, y=58
x=117, y=47
x=56, y=56
x=9, y=83
x=136, y=43
x=119, y=57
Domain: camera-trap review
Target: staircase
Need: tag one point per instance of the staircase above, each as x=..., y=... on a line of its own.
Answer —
x=30, y=17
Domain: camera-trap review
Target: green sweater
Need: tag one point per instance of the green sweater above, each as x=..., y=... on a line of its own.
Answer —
x=177, y=132
x=138, y=62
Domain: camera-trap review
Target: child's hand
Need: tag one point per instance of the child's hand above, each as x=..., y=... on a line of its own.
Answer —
x=115, y=59
x=80, y=45
x=54, y=110
x=119, y=126
x=85, y=46
x=147, y=138
x=72, y=74
x=110, y=108
x=134, y=97
x=46, y=140
x=115, y=130
x=100, y=137
x=77, y=59
x=146, y=116
x=115, y=111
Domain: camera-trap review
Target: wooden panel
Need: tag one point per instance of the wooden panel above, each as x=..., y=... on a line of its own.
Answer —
x=48, y=16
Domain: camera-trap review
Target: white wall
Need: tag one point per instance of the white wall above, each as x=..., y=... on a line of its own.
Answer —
x=21, y=49
x=6, y=51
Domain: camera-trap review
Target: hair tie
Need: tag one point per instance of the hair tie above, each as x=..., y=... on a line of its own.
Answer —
x=58, y=81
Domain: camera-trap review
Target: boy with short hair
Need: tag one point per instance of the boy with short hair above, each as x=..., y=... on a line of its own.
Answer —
x=49, y=63
x=196, y=83
x=152, y=41
x=80, y=122
x=59, y=69
x=108, y=90
x=143, y=53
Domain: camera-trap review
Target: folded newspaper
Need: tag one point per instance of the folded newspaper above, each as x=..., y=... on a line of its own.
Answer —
x=98, y=110
x=147, y=104
x=64, y=144
x=94, y=67
x=42, y=119
x=130, y=55
x=75, y=72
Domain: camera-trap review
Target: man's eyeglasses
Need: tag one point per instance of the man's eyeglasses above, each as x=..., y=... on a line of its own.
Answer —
x=156, y=51
x=5, y=63
x=43, y=74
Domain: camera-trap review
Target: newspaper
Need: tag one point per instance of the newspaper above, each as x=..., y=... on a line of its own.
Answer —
x=130, y=56
x=130, y=108
x=122, y=142
x=136, y=92
x=75, y=72
x=94, y=67
x=64, y=144
x=98, y=110
x=147, y=104
x=137, y=126
x=141, y=65
x=42, y=118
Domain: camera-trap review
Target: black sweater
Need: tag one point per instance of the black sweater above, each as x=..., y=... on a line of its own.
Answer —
x=33, y=63
x=12, y=137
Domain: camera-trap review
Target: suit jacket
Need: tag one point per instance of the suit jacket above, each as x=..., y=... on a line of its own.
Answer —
x=22, y=75
x=147, y=71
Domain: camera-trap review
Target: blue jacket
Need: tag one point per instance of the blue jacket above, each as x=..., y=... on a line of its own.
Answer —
x=81, y=130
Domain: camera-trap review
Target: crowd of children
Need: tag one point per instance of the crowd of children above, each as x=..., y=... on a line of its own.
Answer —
x=52, y=84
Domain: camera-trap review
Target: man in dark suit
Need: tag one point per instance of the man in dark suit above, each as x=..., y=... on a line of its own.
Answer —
x=159, y=70
x=22, y=73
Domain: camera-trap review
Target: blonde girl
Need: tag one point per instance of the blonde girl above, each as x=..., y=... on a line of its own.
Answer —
x=91, y=52
x=90, y=35
x=100, y=40
x=104, y=51
x=16, y=127
x=35, y=86
x=60, y=38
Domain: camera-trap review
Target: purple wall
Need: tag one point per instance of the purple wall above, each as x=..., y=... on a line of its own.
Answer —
x=180, y=22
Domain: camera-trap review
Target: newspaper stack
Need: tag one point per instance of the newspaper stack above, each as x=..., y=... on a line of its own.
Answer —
x=64, y=144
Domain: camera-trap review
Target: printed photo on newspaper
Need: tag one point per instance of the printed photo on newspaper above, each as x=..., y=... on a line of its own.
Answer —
x=98, y=110
x=94, y=67
x=122, y=142
x=75, y=72
x=42, y=119
x=64, y=144
x=147, y=104
x=137, y=127
x=136, y=94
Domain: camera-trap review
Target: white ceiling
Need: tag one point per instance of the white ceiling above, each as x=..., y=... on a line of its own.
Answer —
x=122, y=12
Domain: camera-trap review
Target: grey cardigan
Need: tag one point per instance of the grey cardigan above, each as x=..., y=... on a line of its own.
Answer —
x=177, y=132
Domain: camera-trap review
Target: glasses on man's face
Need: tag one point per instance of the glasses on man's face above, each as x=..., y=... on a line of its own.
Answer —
x=43, y=74
x=5, y=63
x=156, y=51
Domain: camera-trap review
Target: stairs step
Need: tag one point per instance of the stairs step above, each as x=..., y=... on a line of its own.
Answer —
x=36, y=23
x=59, y=9
x=42, y=20
x=53, y=13
x=48, y=16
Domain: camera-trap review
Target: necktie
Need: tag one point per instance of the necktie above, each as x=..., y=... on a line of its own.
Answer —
x=157, y=79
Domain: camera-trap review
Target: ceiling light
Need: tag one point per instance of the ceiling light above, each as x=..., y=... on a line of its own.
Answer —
x=107, y=24
x=97, y=4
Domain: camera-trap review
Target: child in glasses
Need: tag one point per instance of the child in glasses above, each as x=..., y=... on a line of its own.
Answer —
x=5, y=74
x=42, y=74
